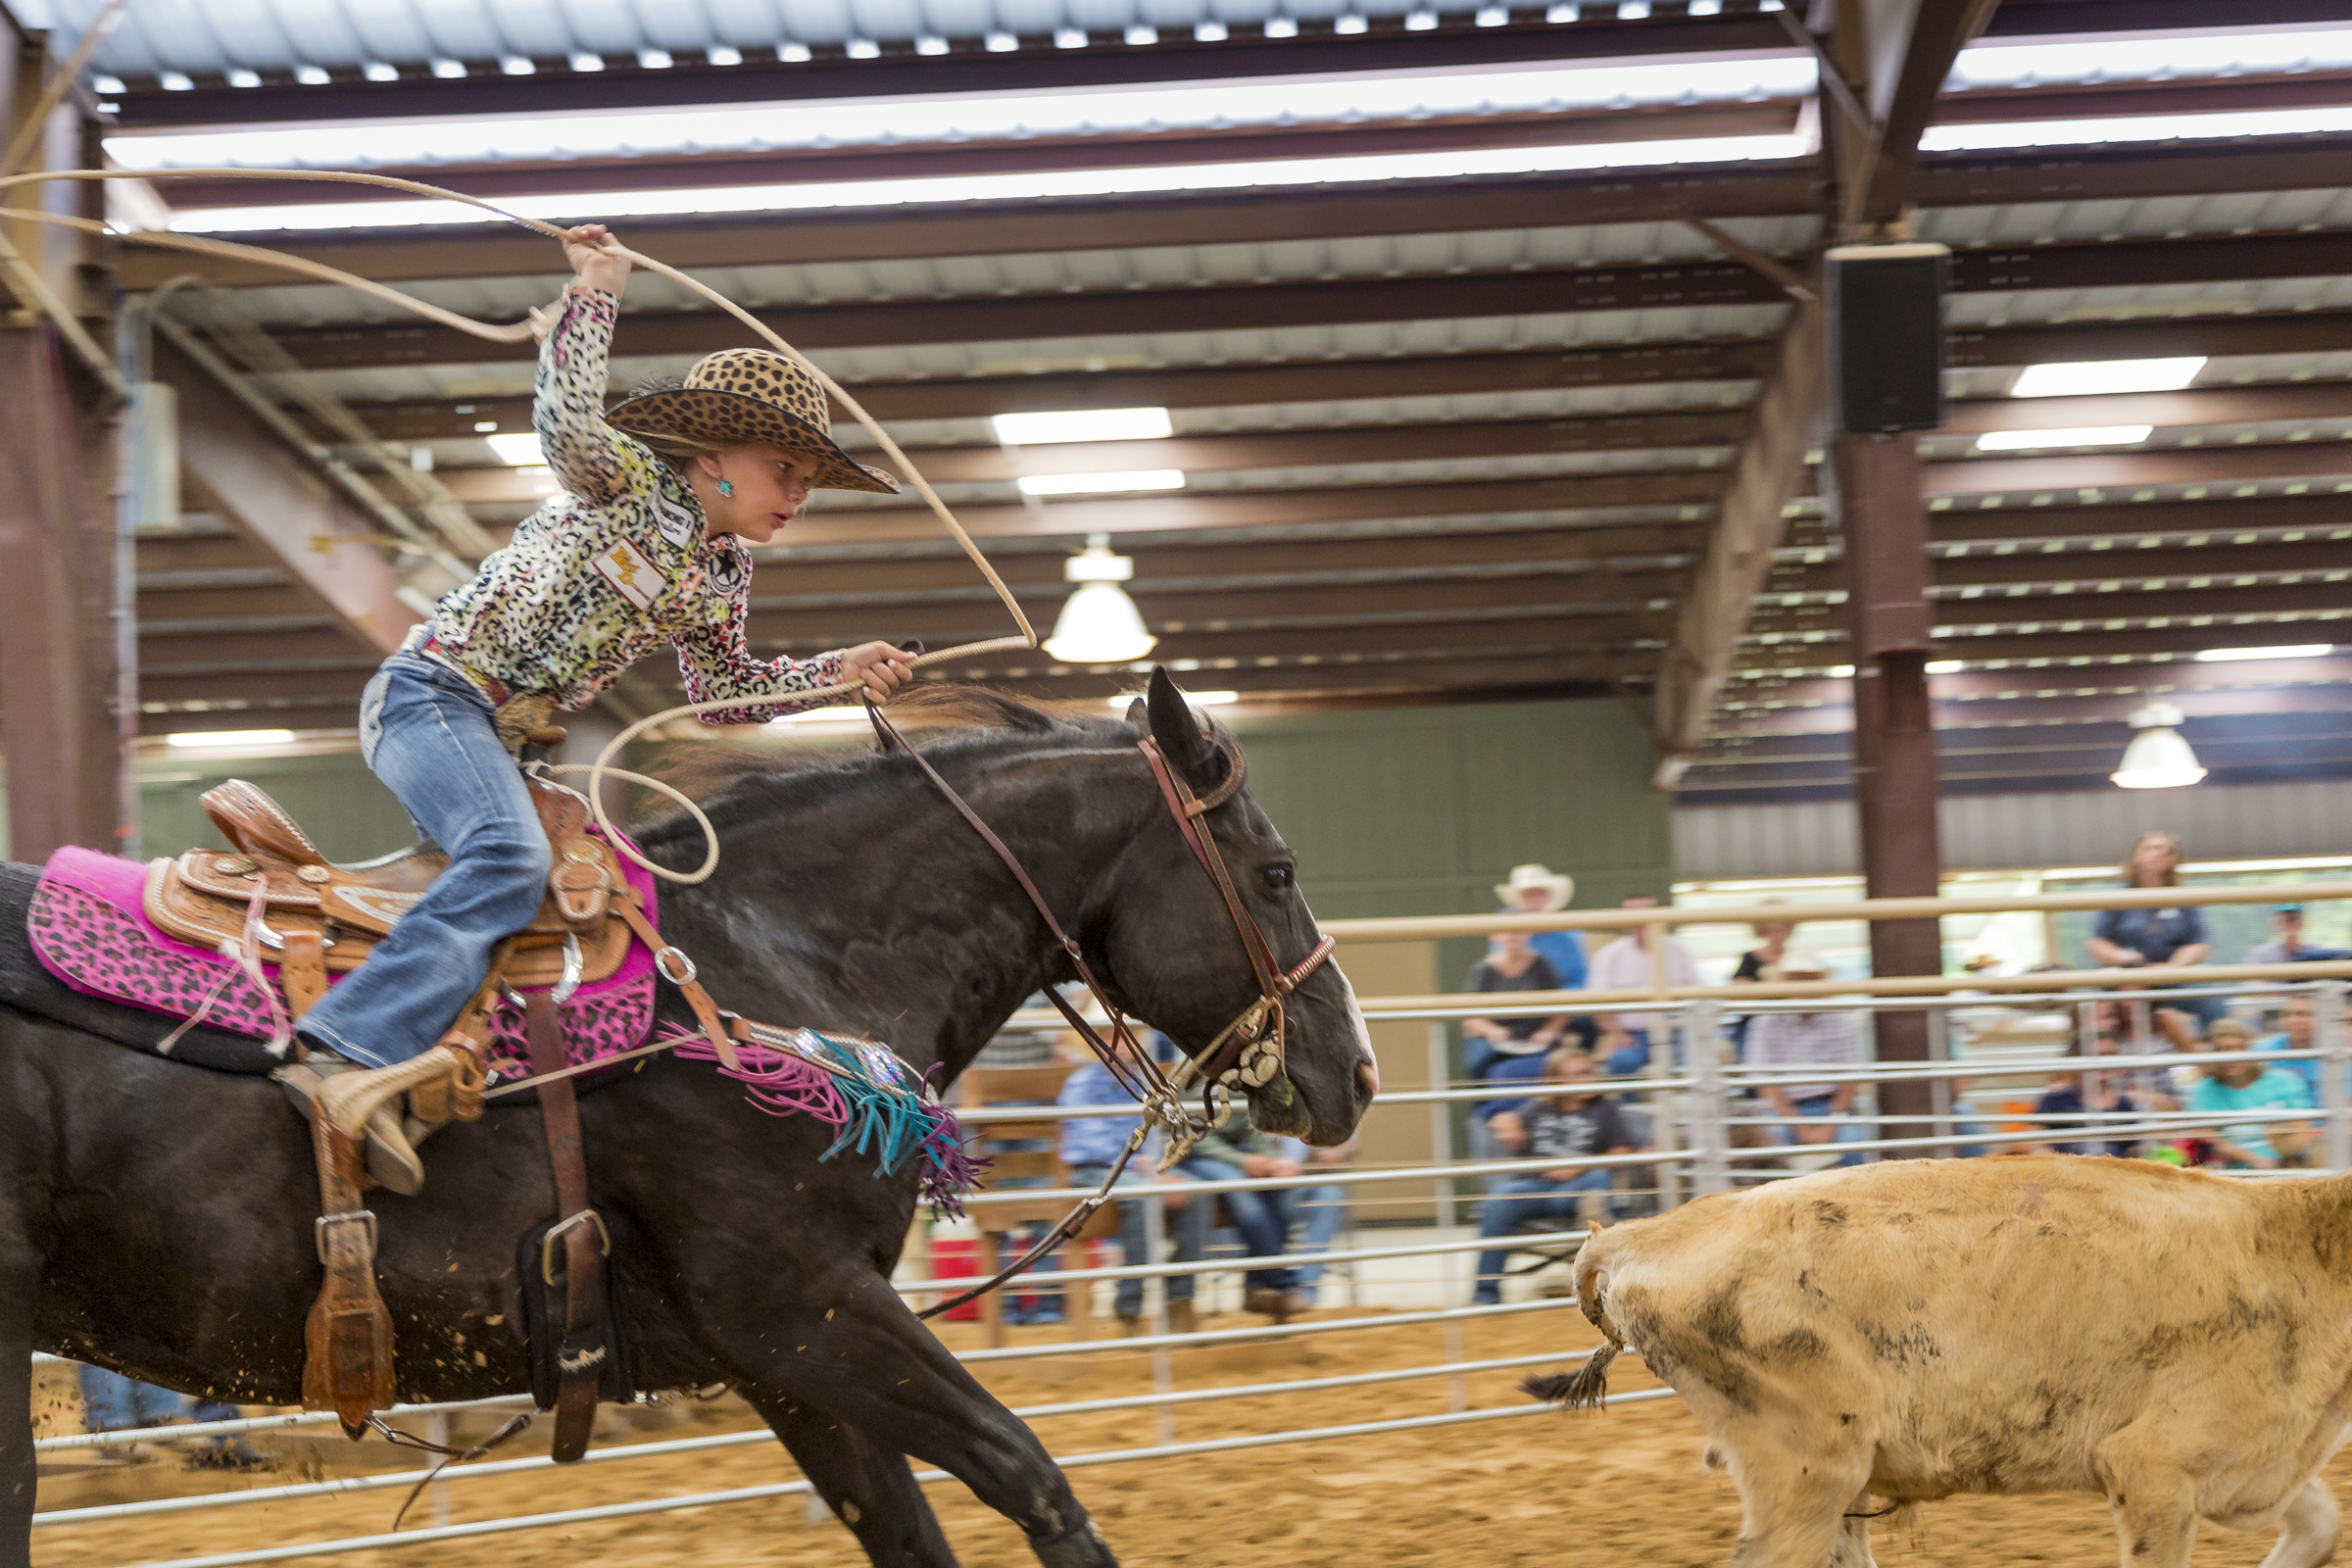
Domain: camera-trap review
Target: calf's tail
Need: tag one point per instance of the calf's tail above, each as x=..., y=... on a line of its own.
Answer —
x=1584, y=1387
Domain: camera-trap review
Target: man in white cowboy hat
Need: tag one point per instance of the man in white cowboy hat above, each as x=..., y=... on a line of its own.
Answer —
x=1816, y=1113
x=1533, y=888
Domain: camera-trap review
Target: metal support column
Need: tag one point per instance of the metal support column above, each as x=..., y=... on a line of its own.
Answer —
x=57, y=726
x=1874, y=498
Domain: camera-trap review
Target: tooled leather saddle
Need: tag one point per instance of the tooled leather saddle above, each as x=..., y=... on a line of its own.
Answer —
x=205, y=896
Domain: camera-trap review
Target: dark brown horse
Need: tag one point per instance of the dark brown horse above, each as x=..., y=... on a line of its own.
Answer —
x=156, y=1217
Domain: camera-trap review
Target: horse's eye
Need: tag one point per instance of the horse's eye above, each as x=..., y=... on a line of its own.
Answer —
x=1280, y=878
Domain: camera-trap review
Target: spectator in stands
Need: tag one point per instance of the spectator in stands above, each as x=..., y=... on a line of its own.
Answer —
x=2227, y=1086
x=1235, y=1149
x=113, y=1403
x=2118, y=1093
x=1090, y=1145
x=2287, y=944
x=1624, y=964
x=1812, y=1114
x=1571, y=1125
x=1540, y=890
x=1320, y=1210
x=2134, y=1029
x=1772, y=941
x=2297, y=1031
x=2168, y=938
x=1772, y=944
x=1509, y=1050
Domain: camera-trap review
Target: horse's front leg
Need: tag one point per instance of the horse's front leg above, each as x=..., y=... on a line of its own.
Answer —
x=863, y=1359
x=869, y=1487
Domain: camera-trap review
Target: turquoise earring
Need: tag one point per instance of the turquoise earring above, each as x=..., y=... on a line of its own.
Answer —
x=726, y=487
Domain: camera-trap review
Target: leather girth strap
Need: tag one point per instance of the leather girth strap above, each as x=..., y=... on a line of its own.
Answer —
x=347, y=1339
x=578, y=1229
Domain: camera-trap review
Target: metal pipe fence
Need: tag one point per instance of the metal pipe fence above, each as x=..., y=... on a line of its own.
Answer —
x=1710, y=1123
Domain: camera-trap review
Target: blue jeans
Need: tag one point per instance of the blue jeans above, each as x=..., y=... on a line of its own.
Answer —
x=433, y=740
x=1513, y=1205
x=113, y=1403
x=1325, y=1208
x=1189, y=1225
x=1263, y=1218
x=1847, y=1132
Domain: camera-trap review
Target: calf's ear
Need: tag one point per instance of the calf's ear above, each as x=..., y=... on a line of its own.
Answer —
x=1178, y=731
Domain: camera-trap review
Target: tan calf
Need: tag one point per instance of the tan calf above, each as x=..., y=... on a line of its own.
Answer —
x=1860, y=1339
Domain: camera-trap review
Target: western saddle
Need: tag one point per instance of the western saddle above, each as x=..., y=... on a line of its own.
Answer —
x=275, y=898
x=318, y=916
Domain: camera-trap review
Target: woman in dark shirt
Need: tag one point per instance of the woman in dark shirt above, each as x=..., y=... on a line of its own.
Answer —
x=1492, y=1046
x=2166, y=938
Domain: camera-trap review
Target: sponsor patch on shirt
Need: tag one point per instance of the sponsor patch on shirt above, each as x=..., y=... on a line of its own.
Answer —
x=625, y=567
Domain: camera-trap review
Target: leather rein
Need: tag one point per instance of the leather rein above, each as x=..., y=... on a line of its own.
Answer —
x=1248, y=1053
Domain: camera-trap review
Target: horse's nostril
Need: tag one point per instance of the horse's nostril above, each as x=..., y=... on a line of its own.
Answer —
x=1367, y=1077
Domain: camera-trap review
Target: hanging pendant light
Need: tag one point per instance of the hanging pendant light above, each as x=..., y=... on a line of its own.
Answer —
x=2157, y=759
x=1098, y=624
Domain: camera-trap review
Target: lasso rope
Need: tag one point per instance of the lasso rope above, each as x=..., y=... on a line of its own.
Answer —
x=516, y=332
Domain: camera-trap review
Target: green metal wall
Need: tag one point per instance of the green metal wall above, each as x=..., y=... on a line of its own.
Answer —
x=348, y=815
x=1393, y=811
x=1422, y=811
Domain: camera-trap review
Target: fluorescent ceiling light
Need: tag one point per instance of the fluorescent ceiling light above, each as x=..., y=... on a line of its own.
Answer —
x=2195, y=54
x=1100, y=485
x=1996, y=136
x=223, y=739
x=2096, y=376
x=2225, y=656
x=1944, y=666
x=1082, y=424
x=965, y=117
x=1842, y=673
x=1288, y=172
x=517, y=449
x=2095, y=436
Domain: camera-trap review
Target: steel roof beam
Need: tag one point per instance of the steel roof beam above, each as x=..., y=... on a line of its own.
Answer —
x=280, y=504
x=2114, y=264
x=1443, y=375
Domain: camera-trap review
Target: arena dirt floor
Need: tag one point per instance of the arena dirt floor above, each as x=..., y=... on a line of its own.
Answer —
x=1608, y=1488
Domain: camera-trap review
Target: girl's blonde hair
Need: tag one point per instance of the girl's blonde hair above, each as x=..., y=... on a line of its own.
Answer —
x=2172, y=877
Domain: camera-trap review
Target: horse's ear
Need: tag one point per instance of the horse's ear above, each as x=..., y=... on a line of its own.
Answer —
x=1140, y=716
x=1179, y=733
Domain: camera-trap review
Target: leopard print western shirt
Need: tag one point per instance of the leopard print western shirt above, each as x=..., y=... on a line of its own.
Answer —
x=616, y=565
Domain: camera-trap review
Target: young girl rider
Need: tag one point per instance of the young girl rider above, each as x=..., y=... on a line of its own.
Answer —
x=647, y=544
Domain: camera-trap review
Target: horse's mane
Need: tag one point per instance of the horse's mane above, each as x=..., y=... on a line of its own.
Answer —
x=952, y=724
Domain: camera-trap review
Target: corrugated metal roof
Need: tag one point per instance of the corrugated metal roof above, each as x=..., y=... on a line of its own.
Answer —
x=1050, y=273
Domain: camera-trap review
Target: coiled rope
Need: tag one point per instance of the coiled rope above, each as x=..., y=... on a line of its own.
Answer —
x=519, y=331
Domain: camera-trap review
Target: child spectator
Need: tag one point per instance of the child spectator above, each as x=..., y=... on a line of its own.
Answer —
x=1571, y=1125
x=2227, y=1087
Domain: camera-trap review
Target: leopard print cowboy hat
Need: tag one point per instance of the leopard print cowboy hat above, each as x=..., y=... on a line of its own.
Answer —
x=744, y=396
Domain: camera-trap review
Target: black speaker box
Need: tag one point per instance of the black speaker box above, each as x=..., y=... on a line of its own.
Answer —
x=1884, y=305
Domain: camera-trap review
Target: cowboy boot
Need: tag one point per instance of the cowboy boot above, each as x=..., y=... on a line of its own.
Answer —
x=391, y=1153
x=351, y=1101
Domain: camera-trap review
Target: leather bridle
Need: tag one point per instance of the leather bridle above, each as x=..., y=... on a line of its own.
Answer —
x=1252, y=1063
x=1248, y=1052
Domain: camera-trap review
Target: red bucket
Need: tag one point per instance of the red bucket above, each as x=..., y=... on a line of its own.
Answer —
x=956, y=1258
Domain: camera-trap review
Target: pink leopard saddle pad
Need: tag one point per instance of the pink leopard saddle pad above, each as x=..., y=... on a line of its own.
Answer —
x=87, y=925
